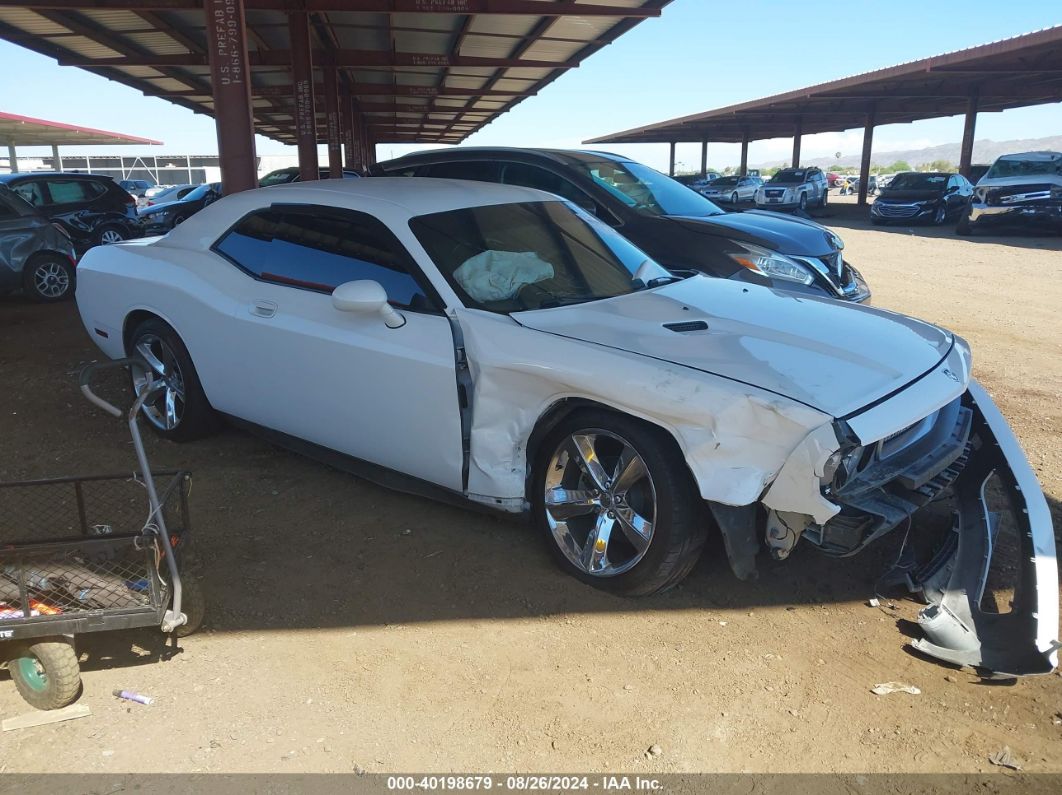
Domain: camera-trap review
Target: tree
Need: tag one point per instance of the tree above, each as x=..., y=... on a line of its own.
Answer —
x=900, y=165
x=938, y=165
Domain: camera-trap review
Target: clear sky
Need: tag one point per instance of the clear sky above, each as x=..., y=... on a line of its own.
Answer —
x=698, y=55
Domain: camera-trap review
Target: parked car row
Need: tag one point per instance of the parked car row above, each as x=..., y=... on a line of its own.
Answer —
x=528, y=353
x=1022, y=190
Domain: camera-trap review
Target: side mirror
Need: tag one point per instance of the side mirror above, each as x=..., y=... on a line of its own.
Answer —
x=368, y=298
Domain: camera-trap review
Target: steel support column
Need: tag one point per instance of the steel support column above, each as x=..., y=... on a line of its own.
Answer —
x=966, y=151
x=333, y=122
x=704, y=159
x=302, y=83
x=671, y=161
x=798, y=132
x=230, y=80
x=346, y=113
x=744, y=169
x=12, y=158
x=864, y=161
x=57, y=161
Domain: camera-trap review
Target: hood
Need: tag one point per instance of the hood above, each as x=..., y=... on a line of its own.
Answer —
x=1025, y=179
x=910, y=195
x=826, y=354
x=783, y=233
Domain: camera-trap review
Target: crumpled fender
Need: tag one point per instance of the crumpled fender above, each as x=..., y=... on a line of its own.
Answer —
x=735, y=437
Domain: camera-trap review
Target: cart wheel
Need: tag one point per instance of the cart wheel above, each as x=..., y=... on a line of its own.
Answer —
x=193, y=605
x=46, y=673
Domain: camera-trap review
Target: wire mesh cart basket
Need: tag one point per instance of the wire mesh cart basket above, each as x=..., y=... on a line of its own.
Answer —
x=91, y=554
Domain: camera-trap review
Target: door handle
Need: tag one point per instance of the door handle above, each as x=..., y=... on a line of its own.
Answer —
x=264, y=308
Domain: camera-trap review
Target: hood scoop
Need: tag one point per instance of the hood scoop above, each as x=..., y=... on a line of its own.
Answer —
x=686, y=326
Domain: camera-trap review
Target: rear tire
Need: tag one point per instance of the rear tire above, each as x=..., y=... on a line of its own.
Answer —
x=46, y=673
x=663, y=499
x=109, y=233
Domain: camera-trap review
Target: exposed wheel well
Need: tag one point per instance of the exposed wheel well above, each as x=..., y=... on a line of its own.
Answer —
x=132, y=320
x=563, y=409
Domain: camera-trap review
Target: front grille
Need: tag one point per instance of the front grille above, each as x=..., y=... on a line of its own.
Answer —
x=897, y=210
x=1018, y=194
x=774, y=193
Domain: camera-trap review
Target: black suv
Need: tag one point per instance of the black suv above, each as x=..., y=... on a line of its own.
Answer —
x=91, y=209
x=676, y=226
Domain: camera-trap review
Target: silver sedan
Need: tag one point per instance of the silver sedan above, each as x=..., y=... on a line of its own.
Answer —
x=732, y=190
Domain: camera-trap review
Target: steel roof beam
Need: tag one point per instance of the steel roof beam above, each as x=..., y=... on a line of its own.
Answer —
x=532, y=8
x=342, y=58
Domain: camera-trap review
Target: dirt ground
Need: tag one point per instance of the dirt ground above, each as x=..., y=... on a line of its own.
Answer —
x=353, y=628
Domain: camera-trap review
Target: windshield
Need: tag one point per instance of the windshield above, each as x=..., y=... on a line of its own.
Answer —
x=1015, y=167
x=644, y=189
x=536, y=255
x=278, y=177
x=918, y=182
x=724, y=182
x=199, y=192
x=789, y=177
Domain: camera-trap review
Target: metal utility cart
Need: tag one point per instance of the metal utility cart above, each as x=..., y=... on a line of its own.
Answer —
x=83, y=554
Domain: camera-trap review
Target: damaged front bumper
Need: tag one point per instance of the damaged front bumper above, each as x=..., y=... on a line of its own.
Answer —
x=957, y=629
x=964, y=456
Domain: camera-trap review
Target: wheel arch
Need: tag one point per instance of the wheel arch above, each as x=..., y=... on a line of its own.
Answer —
x=560, y=410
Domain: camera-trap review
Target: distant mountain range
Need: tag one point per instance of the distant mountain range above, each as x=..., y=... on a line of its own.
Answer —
x=985, y=151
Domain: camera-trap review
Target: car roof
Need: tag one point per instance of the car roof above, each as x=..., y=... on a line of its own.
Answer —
x=558, y=155
x=392, y=199
x=63, y=174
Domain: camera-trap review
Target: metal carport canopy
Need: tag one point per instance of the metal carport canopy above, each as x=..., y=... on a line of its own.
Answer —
x=423, y=71
x=1011, y=73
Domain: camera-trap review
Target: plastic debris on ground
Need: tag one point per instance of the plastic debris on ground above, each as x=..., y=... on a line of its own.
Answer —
x=885, y=688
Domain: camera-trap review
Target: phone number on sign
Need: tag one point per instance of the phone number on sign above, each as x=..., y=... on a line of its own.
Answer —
x=527, y=783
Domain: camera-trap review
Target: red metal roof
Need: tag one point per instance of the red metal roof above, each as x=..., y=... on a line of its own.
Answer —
x=26, y=131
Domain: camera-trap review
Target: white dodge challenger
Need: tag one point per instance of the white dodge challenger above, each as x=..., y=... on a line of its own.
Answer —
x=499, y=345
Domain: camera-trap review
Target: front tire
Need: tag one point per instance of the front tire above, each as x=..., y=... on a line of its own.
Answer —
x=941, y=215
x=616, y=504
x=46, y=673
x=825, y=199
x=963, y=227
x=180, y=411
x=803, y=201
x=49, y=279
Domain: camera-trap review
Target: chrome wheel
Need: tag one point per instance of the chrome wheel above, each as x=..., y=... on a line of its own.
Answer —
x=600, y=502
x=51, y=280
x=111, y=236
x=941, y=215
x=166, y=408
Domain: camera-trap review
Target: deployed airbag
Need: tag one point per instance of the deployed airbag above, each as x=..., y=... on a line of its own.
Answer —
x=499, y=275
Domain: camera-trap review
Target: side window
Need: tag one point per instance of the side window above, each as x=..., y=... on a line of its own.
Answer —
x=72, y=191
x=6, y=210
x=479, y=170
x=315, y=250
x=31, y=192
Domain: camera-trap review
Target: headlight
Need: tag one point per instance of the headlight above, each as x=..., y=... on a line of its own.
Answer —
x=771, y=263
